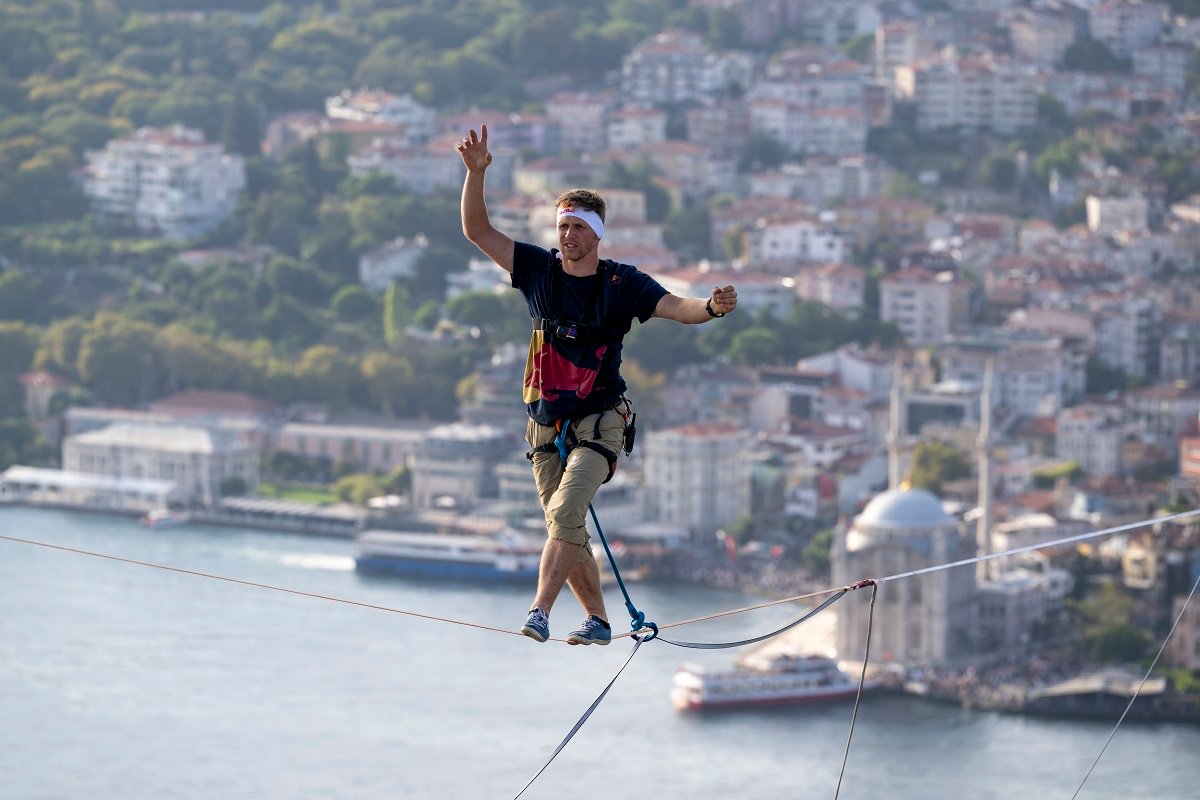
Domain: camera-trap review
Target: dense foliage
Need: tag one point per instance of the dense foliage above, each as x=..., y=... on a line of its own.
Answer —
x=121, y=315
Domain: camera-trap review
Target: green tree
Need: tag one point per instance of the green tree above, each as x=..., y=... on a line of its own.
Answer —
x=118, y=361
x=359, y=488
x=688, y=232
x=816, y=553
x=58, y=349
x=1000, y=173
x=354, y=303
x=428, y=315
x=17, y=348
x=389, y=380
x=762, y=152
x=935, y=463
x=395, y=313
x=755, y=347
x=242, y=131
x=1120, y=644
x=1090, y=55
x=327, y=375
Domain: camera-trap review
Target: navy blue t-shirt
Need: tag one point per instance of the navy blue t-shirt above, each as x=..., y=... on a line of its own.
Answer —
x=570, y=378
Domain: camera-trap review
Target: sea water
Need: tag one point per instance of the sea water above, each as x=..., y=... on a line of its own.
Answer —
x=120, y=681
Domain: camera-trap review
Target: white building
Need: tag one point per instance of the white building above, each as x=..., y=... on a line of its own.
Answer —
x=1127, y=25
x=371, y=448
x=839, y=286
x=394, y=260
x=455, y=464
x=421, y=169
x=581, y=116
x=368, y=105
x=165, y=181
x=697, y=476
x=632, y=128
x=835, y=131
x=1107, y=216
x=1128, y=332
x=899, y=43
x=1036, y=374
x=196, y=459
x=925, y=620
x=1012, y=603
x=924, y=305
x=1165, y=63
x=1090, y=435
x=757, y=291
x=969, y=92
x=670, y=67
x=1041, y=36
x=802, y=239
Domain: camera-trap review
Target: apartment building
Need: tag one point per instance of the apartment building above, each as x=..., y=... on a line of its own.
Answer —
x=1127, y=25
x=925, y=306
x=456, y=464
x=1107, y=216
x=1092, y=436
x=1163, y=412
x=839, y=286
x=979, y=93
x=805, y=239
x=1041, y=36
x=757, y=291
x=421, y=169
x=581, y=116
x=1035, y=374
x=698, y=476
x=169, y=182
x=370, y=105
x=632, y=128
x=669, y=68
x=897, y=44
x=1128, y=333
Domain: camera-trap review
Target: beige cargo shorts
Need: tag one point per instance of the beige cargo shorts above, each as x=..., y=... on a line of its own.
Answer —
x=566, y=492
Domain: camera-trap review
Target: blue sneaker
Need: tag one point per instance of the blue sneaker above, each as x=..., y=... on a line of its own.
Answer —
x=537, y=627
x=593, y=631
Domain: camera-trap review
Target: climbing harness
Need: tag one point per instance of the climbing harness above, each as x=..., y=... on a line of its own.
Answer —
x=566, y=441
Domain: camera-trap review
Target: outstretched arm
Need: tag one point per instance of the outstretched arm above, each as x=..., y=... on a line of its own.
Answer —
x=477, y=227
x=694, y=310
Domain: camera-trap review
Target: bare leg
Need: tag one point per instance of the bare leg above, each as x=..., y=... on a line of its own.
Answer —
x=584, y=580
x=558, y=560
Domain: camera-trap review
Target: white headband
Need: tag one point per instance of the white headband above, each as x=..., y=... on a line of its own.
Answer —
x=590, y=217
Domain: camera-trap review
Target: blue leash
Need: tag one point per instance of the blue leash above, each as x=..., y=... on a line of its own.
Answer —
x=637, y=618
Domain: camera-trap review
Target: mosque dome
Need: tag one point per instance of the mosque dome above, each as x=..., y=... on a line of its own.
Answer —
x=903, y=509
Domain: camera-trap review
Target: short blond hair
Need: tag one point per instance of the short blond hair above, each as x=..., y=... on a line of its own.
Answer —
x=582, y=198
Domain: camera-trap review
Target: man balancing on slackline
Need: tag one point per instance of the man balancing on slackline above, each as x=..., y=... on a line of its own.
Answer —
x=582, y=308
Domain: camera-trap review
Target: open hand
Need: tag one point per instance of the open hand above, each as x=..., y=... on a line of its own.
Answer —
x=474, y=150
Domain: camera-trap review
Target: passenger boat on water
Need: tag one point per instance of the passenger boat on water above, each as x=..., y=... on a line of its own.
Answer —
x=503, y=556
x=764, y=680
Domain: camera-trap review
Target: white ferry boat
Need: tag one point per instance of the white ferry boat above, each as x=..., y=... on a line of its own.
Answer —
x=764, y=680
x=505, y=556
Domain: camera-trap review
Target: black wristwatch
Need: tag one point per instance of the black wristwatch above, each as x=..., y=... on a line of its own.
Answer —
x=708, y=308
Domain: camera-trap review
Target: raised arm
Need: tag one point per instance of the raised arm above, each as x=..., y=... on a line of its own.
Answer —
x=476, y=225
x=694, y=310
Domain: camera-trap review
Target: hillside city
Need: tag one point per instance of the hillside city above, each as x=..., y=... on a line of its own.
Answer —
x=965, y=238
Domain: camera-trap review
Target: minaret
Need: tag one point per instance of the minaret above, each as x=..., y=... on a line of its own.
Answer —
x=896, y=411
x=983, y=533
